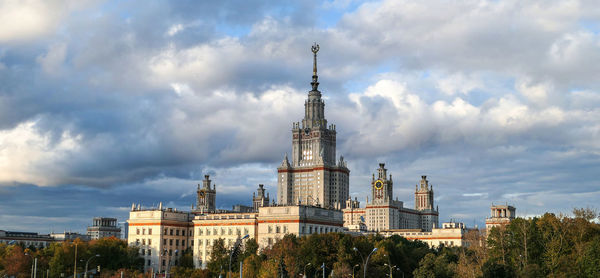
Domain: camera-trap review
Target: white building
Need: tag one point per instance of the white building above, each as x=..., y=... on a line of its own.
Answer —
x=385, y=213
x=500, y=215
x=451, y=234
x=27, y=239
x=160, y=234
x=104, y=227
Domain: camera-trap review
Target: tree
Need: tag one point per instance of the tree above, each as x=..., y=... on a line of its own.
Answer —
x=16, y=263
x=219, y=257
x=492, y=269
x=443, y=265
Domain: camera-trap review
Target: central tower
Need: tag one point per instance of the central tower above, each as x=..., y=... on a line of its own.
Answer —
x=313, y=177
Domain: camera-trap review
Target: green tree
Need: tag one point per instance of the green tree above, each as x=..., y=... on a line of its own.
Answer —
x=442, y=265
x=219, y=258
x=492, y=269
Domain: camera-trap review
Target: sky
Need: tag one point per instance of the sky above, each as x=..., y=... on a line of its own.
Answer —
x=108, y=103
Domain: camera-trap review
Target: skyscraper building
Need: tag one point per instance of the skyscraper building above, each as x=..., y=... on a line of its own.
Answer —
x=313, y=176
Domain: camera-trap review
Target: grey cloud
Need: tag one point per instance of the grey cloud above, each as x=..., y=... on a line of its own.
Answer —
x=474, y=97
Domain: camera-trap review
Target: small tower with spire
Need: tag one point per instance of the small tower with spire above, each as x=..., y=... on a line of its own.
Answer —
x=424, y=195
x=259, y=199
x=206, y=196
x=382, y=188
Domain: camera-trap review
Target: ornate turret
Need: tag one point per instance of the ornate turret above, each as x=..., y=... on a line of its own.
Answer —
x=260, y=199
x=423, y=195
x=381, y=186
x=206, y=196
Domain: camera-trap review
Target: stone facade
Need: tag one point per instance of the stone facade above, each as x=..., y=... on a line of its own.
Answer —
x=161, y=235
x=300, y=220
x=385, y=213
x=209, y=228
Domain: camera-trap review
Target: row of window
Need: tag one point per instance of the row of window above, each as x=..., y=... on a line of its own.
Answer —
x=167, y=231
x=170, y=241
x=143, y=241
x=222, y=231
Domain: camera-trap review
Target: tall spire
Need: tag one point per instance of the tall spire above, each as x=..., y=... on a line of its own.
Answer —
x=315, y=78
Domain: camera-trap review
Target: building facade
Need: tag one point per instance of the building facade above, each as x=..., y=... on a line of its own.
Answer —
x=500, y=215
x=161, y=234
x=104, y=227
x=26, y=238
x=313, y=177
x=450, y=234
x=382, y=212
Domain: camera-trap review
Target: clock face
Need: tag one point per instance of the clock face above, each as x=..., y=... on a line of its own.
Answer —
x=379, y=184
x=201, y=194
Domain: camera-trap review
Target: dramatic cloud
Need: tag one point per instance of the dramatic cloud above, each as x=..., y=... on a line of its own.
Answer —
x=104, y=103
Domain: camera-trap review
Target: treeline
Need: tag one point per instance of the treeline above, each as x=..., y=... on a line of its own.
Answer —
x=547, y=246
x=58, y=259
x=292, y=256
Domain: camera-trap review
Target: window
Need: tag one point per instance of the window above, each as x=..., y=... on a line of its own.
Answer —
x=149, y=231
x=171, y=232
x=137, y=241
x=149, y=241
x=170, y=252
x=200, y=231
x=170, y=241
x=149, y=262
x=164, y=241
x=143, y=252
x=183, y=242
x=149, y=252
x=200, y=242
x=177, y=242
x=182, y=232
x=163, y=262
x=276, y=229
x=176, y=232
x=165, y=231
x=143, y=242
x=137, y=231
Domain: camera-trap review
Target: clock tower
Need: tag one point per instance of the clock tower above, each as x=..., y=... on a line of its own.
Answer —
x=206, y=196
x=381, y=186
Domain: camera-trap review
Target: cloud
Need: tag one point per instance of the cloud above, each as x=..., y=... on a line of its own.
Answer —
x=22, y=21
x=141, y=99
